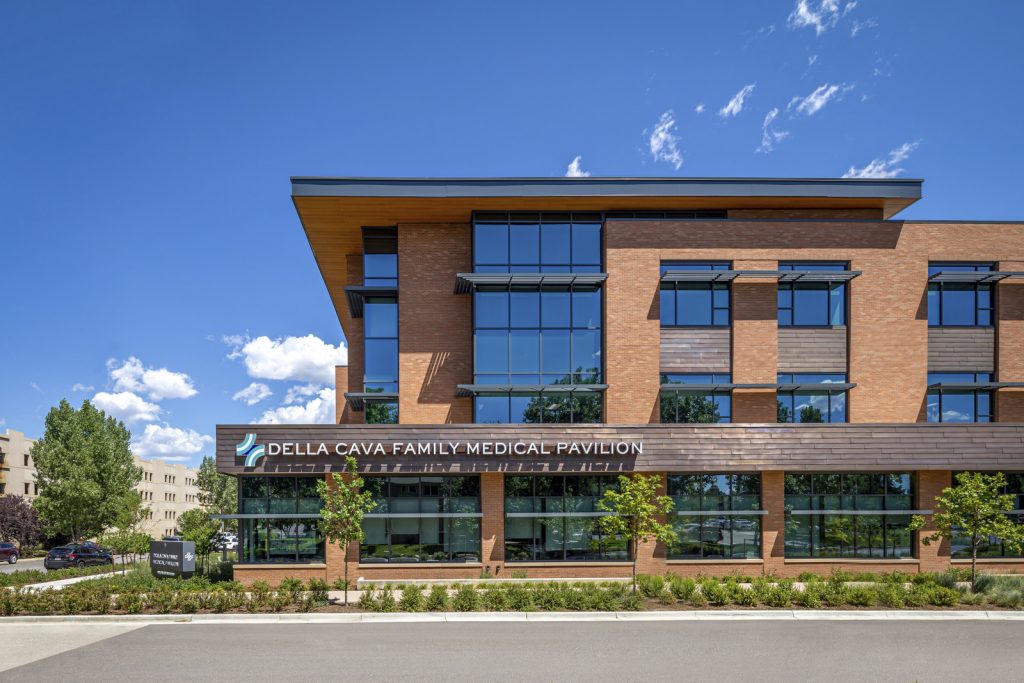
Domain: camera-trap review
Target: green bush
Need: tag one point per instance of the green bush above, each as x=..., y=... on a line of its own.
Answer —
x=549, y=597
x=698, y=599
x=716, y=593
x=779, y=596
x=185, y=602
x=630, y=602
x=495, y=599
x=339, y=584
x=520, y=598
x=892, y=595
x=294, y=587
x=682, y=587
x=367, y=602
x=131, y=603
x=861, y=597
x=437, y=599
x=318, y=589
x=70, y=602
x=745, y=597
x=24, y=577
x=649, y=586
x=466, y=599
x=412, y=599
x=941, y=596
x=812, y=596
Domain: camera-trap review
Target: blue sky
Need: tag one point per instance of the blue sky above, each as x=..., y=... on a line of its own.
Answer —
x=150, y=253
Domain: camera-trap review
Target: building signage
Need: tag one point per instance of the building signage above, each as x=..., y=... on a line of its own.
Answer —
x=172, y=559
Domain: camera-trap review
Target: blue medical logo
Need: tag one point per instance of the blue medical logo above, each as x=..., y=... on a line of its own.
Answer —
x=249, y=450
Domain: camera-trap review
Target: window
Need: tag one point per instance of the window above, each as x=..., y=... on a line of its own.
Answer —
x=422, y=519
x=991, y=546
x=694, y=304
x=812, y=404
x=716, y=516
x=270, y=538
x=811, y=304
x=532, y=243
x=26, y=460
x=380, y=257
x=555, y=518
x=959, y=405
x=690, y=407
x=26, y=488
x=962, y=304
x=849, y=515
x=381, y=334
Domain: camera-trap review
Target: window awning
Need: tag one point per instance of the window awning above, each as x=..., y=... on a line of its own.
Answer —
x=465, y=283
x=715, y=386
x=974, y=386
x=359, y=399
x=476, y=389
x=974, y=276
x=818, y=275
x=700, y=275
x=817, y=386
x=357, y=295
x=269, y=515
x=780, y=275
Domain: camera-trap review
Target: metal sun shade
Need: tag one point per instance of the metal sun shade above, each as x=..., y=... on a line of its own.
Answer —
x=475, y=389
x=357, y=295
x=465, y=283
x=974, y=276
x=359, y=399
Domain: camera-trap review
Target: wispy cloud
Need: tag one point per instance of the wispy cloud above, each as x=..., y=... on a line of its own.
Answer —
x=664, y=141
x=859, y=26
x=735, y=105
x=884, y=168
x=822, y=95
x=127, y=406
x=81, y=387
x=253, y=394
x=575, y=170
x=821, y=15
x=769, y=136
x=699, y=108
x=811, y=60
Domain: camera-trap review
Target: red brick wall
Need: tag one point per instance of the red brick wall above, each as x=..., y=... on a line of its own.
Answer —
x=1010, y=344
x=773, y=524
x=492, y=524
x=933, y=557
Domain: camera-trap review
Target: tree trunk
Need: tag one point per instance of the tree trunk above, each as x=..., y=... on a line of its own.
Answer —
x=344, y=558
x=633, y=548
x=974, y=561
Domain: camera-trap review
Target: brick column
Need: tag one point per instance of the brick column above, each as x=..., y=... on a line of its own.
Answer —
x=1009, y=347
x=934, y=557
x=492, y=524
x=773, y=523
x=651, y=555
x=755, y=343
x=354, y=341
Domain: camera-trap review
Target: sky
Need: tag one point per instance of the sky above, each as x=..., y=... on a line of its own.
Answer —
x=150, y=256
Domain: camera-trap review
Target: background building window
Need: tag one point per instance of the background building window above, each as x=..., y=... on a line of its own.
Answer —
x=813, y=304
x=422, y=519
x=959, y=405
x=708, y=517
x=959, y=304
x=532, y=243
x=840, y=515
x=694, y=304
x=271, y=537
x=555, y=518
x=691, y=407
x=991, y=546
x=812, y=405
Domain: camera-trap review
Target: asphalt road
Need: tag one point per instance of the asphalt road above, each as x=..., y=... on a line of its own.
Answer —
x=34, y=563
x=834, y=651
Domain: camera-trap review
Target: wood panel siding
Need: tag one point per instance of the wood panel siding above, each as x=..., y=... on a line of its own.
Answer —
x=812, y=349
x=703, y=349
x=961, y=349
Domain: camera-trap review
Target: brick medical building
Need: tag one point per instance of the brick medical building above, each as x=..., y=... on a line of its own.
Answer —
x=805, y=369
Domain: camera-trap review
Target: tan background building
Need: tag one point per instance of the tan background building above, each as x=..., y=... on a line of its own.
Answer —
x=17, y=471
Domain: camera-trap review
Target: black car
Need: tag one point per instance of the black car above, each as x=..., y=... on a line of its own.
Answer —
x=77, y=555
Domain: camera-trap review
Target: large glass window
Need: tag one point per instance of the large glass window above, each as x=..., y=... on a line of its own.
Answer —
x=959, y=405
x=959, y=304
x=422, y=519
x=840, y=515
x=716, y=516
x=812, y=404
x=288, y=528
x=694, y=304
x=532, y=243
x=380, y=257
x=812, y=304
x=992, y=546
x=535, y=408
x=695, y=406
x=555, y=518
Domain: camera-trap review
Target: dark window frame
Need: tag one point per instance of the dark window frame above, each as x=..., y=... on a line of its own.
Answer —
x=511, y=218
x=710, y=287
x=713, y=525
x=975, y=394
x=791, y=397
x=829, y=287
x=976, y=288
x=716, y=396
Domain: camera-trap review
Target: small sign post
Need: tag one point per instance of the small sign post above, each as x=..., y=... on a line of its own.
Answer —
x=172, y=559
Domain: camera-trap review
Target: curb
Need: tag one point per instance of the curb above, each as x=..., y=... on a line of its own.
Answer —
x=470, y=617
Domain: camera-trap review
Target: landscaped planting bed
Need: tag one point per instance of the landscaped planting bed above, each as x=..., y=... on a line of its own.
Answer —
x=25, y=577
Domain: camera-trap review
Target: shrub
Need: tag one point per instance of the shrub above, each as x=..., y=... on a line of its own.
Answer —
x=630, y=602
x=8, y=602
x=941, y=596
x=132, y=603
x=437, y=599
x=649, y=586
x=892, y=595
x=520, y=598
x=665, y=597
x=412, y=599
x=495, y=599
x=318, y=591
x=339, y=584
x=745, y=597
x=162, y=601
x=698, y=599
x=294, y=587
x=682, y=587
x=549, y=597
x=779, y=595
x=861, y=597
x=70, y=602
x=466, y=599
x=716, y=593
x=812, y=596
x=386, y=601
x=367, y=602
x=186, y=602
x=518, y=574
x=808, y=577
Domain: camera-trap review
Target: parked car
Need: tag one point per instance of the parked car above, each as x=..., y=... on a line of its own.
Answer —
x=171, y=538
x=77, y=555
x=8, y=552
x=225, y=542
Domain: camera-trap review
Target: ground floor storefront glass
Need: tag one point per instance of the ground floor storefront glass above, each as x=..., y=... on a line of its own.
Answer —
x=422, y=519
x=556, y=519
x=849, y=515
x=280, y=520
x=716, y=516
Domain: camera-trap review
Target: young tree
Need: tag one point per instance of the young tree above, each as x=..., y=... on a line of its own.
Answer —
x=976, y=508
x=84, y=469
x=18, y=521
x=344, y=504
x=635, y=509
x=218, y=493
x=196, y=525
x=125, y=539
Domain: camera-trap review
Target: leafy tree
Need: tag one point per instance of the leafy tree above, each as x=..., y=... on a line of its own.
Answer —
x=811, y=414
x=689, y=408
x=127, y=539
x=197, y=526
x=218, y=493
x=636, y=508
x=344, y=504
x=977, y=508
x=19, y=522
x=381, y=413
x=84, y=469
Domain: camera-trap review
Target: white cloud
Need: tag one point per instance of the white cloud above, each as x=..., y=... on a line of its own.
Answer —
x=297, y=359
x=811, y=60
x=2, y=422
x=699, y=108
x=82, y=387
x=769, y=136
x=253, y=394
x=859, y=26
x=821, y=15
x=884, y=168
x=318, y=410
x=573, y=170
x=664, y=142
x=126, y=406
x=302, y=392
x=735, y=105
x=822, y=95
x=156, y=383
x=169, y=443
